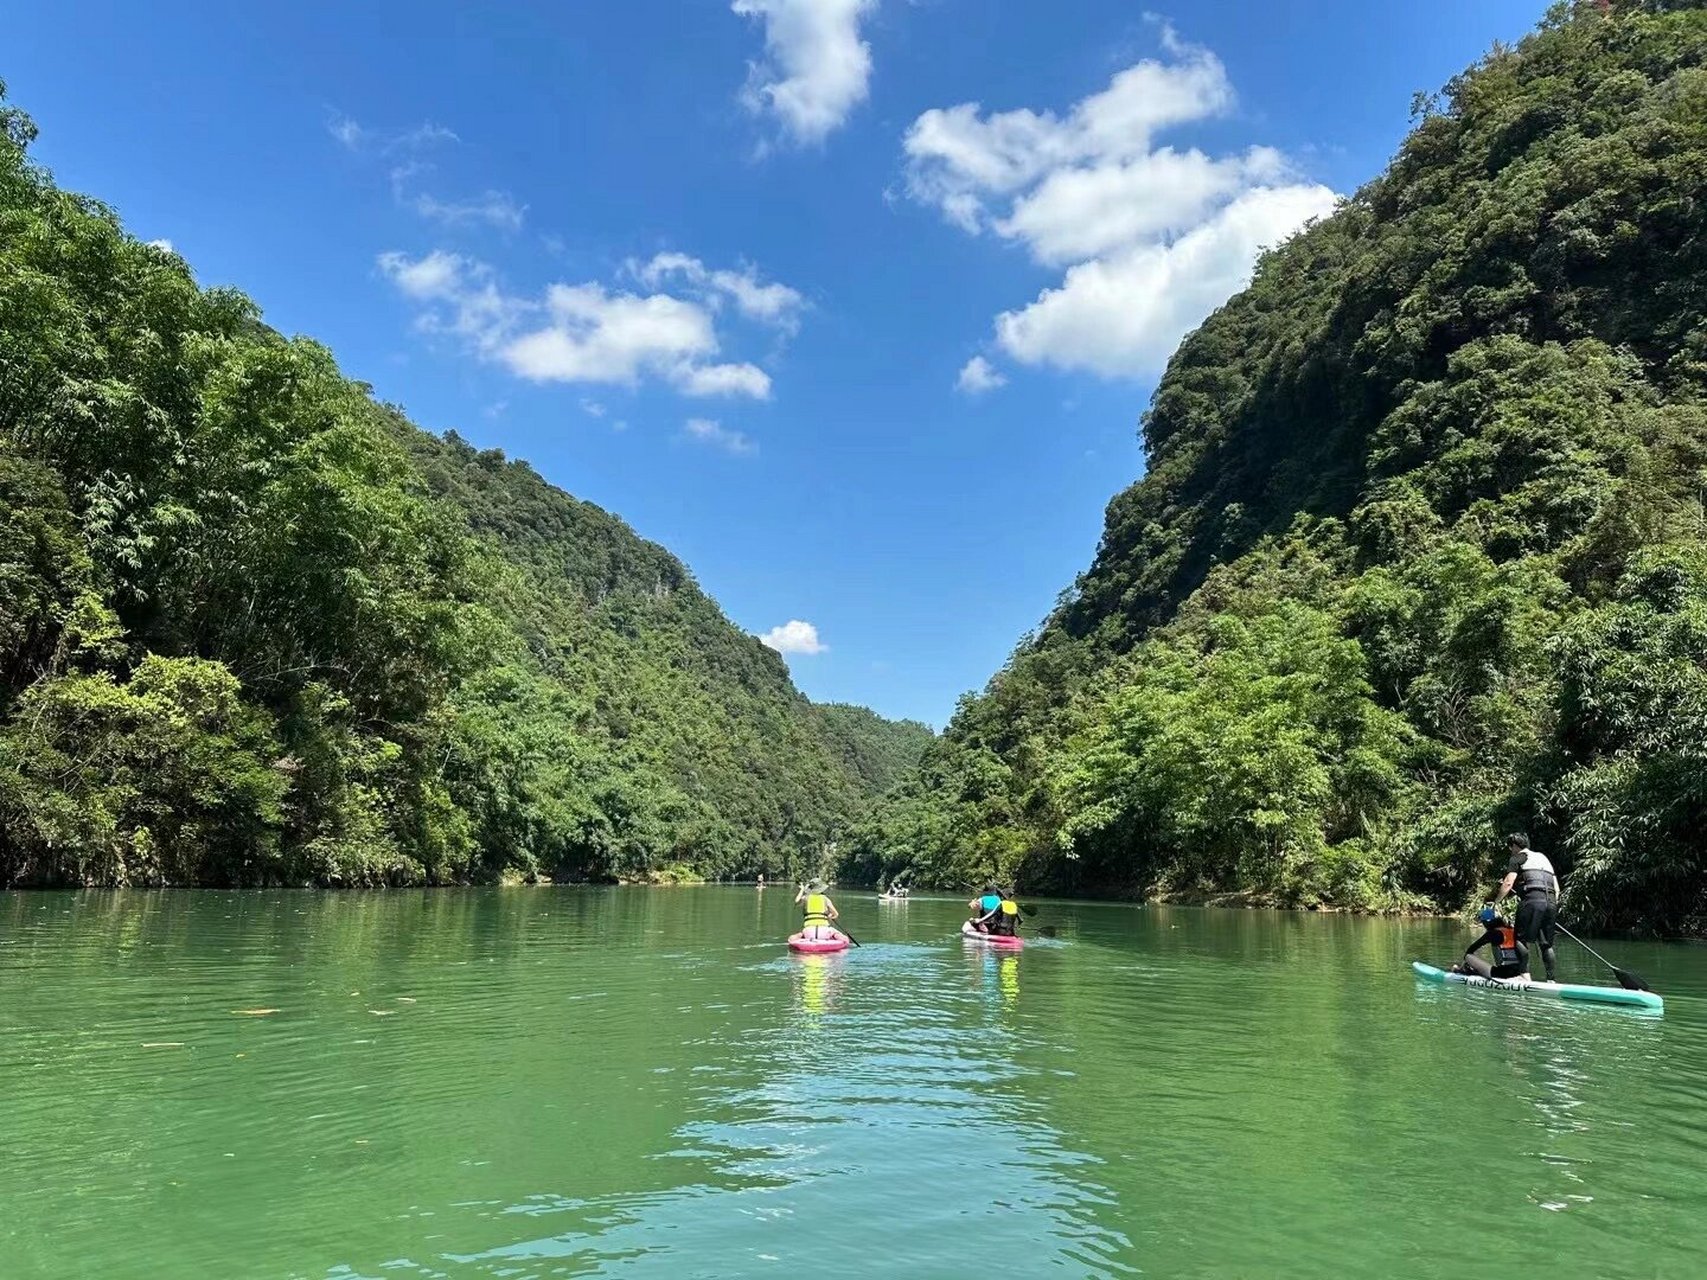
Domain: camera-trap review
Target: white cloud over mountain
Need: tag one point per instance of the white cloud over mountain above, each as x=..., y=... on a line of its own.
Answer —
x=794, y=636
x=816, y=68
x=1152, y=237
x=1124, y=313
x=579, y=333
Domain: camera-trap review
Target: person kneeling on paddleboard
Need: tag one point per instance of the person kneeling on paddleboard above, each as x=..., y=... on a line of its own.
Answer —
x=985, y=908
x=1537, y=887
x=820, y=911
x=1510, y=956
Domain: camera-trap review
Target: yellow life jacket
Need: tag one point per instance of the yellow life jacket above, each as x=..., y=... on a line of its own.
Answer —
x=817, y=909
x=1010, y=908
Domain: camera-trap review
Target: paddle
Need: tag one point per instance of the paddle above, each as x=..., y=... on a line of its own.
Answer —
x=846, y=934
x=1629, y=981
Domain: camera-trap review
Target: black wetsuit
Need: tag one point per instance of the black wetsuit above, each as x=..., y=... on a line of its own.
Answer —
x=1511, y=957
x=1537, y=887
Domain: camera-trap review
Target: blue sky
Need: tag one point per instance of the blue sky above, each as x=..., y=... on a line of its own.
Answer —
x=852, y=304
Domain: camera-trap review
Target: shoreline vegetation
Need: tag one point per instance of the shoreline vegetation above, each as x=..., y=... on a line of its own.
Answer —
x=1419, y=557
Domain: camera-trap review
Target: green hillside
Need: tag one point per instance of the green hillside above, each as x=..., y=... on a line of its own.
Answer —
x=257, y=629
x=879, y=752
x=1419, y=552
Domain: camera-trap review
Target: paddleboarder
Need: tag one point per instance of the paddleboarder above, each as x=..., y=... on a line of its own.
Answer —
x=820, y=911
x=984, y=907
x=1531, y=875
x=1003, y=922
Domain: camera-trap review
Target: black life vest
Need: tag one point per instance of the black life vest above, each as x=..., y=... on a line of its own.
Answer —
x=1536, y=875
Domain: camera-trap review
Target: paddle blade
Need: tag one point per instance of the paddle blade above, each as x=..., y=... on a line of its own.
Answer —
x=1027, y=911
x=1047, y=931
x=1630, y=981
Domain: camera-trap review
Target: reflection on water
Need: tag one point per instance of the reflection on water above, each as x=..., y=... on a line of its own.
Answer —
x=816, y=980
x=886, y=1115
x=644, y=1082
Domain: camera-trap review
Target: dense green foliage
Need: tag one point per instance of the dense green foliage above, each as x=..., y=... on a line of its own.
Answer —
x=256, y=628
x=879, y=752
x=1419, y=552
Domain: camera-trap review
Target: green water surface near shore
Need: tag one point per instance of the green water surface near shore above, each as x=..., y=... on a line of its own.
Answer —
x=642, y=1082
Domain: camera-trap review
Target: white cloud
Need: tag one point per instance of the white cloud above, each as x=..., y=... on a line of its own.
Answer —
x=1078, y=213
x=346, y=131
x=593, y=335
x=723, y=380
x=978, y=376
x=816, y=68
x=772, y=303
x=581, y=333
x=426, y=134
x=401, y=149
x=1152, y=237
x=496, y=208
x=358, y=137
x=592, y=408
x=794, y=636
x=165, y=246
x=705, y=431
x=958, y=156
x=1123, y=314
x=438, y=276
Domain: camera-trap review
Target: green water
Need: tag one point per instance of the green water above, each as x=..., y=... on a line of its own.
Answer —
x=632, y=1082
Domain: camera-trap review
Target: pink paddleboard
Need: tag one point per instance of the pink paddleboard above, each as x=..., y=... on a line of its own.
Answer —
x=997, y=940
x=816, y=946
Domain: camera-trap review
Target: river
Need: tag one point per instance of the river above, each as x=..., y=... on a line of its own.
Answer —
x=642, y=1082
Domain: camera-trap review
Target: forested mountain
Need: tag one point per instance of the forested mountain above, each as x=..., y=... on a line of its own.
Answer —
x=257, y=629
x=1418, y=556
x=879, y=752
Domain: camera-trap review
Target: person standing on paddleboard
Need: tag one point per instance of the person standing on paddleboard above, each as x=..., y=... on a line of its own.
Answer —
x=820, y=911
x=1532, y=877
x=1510, y=956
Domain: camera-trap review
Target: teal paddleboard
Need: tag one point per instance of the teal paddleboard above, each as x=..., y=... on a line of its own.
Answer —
x=1555, y=990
